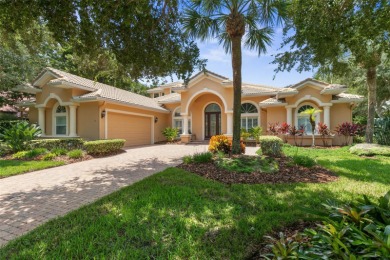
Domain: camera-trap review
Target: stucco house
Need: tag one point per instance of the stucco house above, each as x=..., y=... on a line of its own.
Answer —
x=67, y=105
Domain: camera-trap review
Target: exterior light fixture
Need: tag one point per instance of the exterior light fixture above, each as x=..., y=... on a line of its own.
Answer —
x=103, y=114
x=155, y=119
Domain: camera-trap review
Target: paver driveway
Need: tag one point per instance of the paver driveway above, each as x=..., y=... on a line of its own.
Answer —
x=30, y=199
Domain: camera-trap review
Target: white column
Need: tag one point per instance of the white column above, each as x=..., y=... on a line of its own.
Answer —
x=185, y=125
x=72, y=121
x=327, y=116
x=229, y=123
x=289, y=115
x=41, y=119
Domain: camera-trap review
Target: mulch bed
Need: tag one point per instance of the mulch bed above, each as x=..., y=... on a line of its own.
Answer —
x=287, y=173
x=289, y=232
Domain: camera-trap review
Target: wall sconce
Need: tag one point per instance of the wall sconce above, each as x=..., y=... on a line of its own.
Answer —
x=103, y=114
x=155, y=119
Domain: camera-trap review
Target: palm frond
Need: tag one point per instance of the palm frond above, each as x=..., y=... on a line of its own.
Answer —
x=226, y=42
x=199, y=26
x=258, y=39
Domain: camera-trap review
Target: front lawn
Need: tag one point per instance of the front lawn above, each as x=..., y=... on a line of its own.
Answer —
x=13, y=167
x=176, y=214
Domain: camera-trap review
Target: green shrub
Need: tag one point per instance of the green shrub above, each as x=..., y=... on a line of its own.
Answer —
x=358, y=230
x=382, y=130
x=202, y=157
x=100, y=147
x=245, y=135
x=170, y=133
x=271, y=145
x=59, y=151
x=248, y=164
x=256, y=133
x=29, y=154
x=19, y=136
x=188, y=159
x=370, y=149
x=7, y=124
x=303, y=160
x=49, y=156
x=63, y=143
x=75, y=154
x=4, y=149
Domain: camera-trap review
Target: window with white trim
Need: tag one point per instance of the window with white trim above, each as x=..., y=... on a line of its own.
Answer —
x=60, y=120
x=304, y=120
x=249, y=116
x=178, y=122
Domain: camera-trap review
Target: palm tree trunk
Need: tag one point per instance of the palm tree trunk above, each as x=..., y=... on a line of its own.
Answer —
x=237, y=81
x=371, y=82
x=313, y=128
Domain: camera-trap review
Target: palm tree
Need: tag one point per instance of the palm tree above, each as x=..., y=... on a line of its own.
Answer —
x=312, y=112
x=231, y=22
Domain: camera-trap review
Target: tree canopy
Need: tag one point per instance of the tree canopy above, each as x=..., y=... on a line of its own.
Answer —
x=335, y=33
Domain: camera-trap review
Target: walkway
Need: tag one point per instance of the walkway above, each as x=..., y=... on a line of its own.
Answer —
x=28, y=200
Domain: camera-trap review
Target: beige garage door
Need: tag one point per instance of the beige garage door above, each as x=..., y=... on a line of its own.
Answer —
x=136, y=130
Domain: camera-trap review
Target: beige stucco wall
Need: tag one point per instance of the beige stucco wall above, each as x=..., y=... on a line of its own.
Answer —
x=311, y=91
x=339, y=113
x=158, y=127
x=88, y=120
x=33, y=115
x=276, y=115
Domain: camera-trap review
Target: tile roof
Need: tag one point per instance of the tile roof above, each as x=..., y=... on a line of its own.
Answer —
x=346, y=97
x=170, y=98
x=101, y=90
x=272, y=101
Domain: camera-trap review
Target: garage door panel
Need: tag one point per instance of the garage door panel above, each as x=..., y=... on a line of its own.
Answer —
x=136, y=130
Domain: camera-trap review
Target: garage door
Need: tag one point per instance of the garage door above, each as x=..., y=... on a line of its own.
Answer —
x=136, y=130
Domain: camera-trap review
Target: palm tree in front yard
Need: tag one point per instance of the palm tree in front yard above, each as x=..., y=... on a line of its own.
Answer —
x=233, y=22
x=312, y=113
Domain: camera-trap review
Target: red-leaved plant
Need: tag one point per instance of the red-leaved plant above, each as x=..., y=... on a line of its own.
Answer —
x=324, y=131
x=348, y=130
x=283, y=130
x=294, y=132
x=273, y=128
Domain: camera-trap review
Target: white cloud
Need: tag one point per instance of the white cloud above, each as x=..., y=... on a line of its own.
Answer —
x=216, y=54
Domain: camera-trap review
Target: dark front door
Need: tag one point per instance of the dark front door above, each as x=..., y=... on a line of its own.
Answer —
x=212, y=124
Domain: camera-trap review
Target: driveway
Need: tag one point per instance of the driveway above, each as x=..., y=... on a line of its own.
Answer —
x=28, y=200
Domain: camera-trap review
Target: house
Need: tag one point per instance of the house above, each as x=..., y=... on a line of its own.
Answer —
x=69, y=106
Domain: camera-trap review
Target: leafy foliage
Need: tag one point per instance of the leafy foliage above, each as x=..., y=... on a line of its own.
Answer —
x=63, y=143
x=59, y=151
x=19, y=136
x=101, y=147
x=353, y=231
x=324, y=132
x=202, y=157
x=49, y=156
x=271, y=145
x=256, y=132
x=220, y=143
x=170, y=133
x=245, y=135
x=6, y=124
x=273, y=128
x=31, y=154
x=248, y=164
x=75, y=154
x=382, y=130
x=348, y=130
x=294, y=132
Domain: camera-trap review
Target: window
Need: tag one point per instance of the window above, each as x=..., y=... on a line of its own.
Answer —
x=304, y=120
x=60, y=120
x=156, y=95
x=178, y=122
x=213, y=108
x=249, y=116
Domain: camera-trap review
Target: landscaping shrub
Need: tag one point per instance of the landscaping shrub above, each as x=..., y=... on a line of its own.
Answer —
x=324, y=131
x=18, y=137
x=256, y=133
x=359, y=230
x=202, y=157
x=188, y=159
x=382, y=130
x=271, y=145
x=4, y=149
x=170, y=133
x=6, y=124
x=245, y=135
x=75, y=154
x=273, y=128
x=370, y=149
x=220, y=143
x=294, y=132
x=63, y=143
x=49, y=156
x=303, y=160
x=348, y=130
x=59, y=151
x=100, y=147
x=29, y=154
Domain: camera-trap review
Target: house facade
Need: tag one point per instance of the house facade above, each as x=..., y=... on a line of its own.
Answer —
x=70, y=106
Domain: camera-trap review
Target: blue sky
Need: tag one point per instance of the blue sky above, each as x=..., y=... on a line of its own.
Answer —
x=255, y=69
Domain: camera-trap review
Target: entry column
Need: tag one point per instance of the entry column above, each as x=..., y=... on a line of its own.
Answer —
x=41, y=119
x=72, y=121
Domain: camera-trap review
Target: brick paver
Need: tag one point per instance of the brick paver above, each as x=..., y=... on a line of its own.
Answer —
x=31, y=199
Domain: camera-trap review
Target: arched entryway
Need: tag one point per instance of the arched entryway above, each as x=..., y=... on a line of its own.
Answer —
x=212, y=120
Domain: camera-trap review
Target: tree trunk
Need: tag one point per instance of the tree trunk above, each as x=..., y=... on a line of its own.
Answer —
x=237, y=82
x=313, y=127
x=371, y=83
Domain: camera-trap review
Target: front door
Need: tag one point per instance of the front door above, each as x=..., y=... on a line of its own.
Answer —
x=212, y=117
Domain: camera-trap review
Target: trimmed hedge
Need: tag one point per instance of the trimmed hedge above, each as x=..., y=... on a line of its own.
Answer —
x=66, y=143
x=101, y=147
x=271, y=145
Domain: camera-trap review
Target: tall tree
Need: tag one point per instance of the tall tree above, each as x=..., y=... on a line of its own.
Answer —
x=330, y=32
x=233, y=22
x=144, y=35
x=312, y=113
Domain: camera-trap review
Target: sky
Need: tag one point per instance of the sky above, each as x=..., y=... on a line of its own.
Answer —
x=255, y=69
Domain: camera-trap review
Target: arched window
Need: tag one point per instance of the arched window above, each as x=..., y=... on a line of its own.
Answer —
x=178, y=121
x=249, y=116
x=304, y=120
x=213, y=108
x=60, y=120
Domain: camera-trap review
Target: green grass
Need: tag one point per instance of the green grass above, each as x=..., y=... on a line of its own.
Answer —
x=176, y=214
x=14, y=167
x=248, y=164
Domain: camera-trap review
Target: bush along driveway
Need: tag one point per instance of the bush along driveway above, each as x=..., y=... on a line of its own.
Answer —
x=177, y=214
